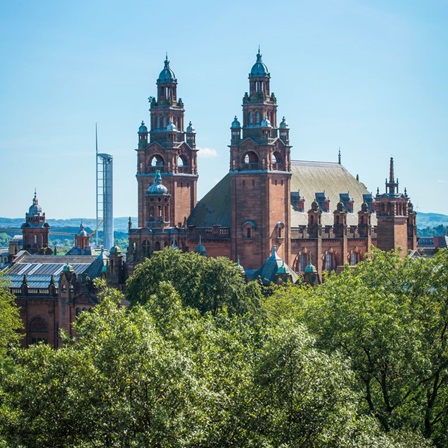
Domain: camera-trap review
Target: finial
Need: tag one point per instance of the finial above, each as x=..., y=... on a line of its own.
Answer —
x=339, y=156
x=157, y=177
x=357, y=177
x=391, y=170
x=377, y=190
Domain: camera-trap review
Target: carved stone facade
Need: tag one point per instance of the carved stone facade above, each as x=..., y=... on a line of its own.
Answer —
x=308, y=211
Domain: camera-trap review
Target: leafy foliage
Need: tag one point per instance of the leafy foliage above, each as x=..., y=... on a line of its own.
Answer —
x=200, y=360
x=207, y=284
x=390, y=317
x=9, y=319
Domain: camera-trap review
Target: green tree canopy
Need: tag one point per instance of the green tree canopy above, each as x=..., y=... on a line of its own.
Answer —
x=389, y=316
x=207, y=284
x=10, y=322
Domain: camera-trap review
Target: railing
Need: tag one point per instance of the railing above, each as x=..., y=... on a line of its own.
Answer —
x=250, y=166
x=215, y=232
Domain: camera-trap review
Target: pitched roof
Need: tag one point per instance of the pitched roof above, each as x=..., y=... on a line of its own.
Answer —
x=214, y=207
x=332, y=178
x=40, y=268
x=308, y=177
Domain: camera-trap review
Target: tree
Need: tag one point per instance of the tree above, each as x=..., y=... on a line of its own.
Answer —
x=10, y=320
x=390, y=318
x=207, y=284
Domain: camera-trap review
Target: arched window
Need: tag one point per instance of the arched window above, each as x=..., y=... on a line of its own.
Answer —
x=248, y=228
x=250, y=161
x=182, y=164
x=302, y=262
x=354, y=258
x=146, y=249
x=156, y=161
x=329, y=261
x=276, y=161
x=37, y=330
x=251, y=117
x=157, y=245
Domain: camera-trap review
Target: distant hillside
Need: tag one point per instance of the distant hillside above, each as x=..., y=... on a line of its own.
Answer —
x=120, y=224
x=431, y=220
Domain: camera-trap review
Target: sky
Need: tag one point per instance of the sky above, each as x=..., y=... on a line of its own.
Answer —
x=366, y=76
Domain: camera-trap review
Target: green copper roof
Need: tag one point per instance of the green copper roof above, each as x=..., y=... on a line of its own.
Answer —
x=259, y=69
x=166, y=75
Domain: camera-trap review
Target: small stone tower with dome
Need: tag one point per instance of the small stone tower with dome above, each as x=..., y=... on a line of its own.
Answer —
x=35, y=230
x=169, y=149
x=260, y=172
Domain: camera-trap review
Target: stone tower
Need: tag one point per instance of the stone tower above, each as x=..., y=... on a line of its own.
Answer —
x=395, y=217
x=260, y=172
x=170, y=149
x=35, y=230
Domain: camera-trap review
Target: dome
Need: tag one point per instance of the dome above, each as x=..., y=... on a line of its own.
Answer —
x=259, y=69
x=235, y=123
x=283, y=124
x=115, y=250
x=166, y=75
x=157, y=188
x=200, y=248
x=171, y=126
x=310, y=268
x=266, y=123
x=82, y=231
x=35, y=208
x=67, y=268
x=142, y=128
x=190, y=128
x=238, y=265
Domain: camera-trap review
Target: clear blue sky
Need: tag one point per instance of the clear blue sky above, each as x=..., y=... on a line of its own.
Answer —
x=368, y=76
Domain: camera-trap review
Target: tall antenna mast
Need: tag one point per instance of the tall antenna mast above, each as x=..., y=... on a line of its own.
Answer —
x=96, y=189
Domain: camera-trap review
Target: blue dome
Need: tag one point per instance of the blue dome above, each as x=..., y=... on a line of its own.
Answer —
x=35, y=208
x=200, y=248
x=166, y=75
x=82, y=231
x=266, y=123
x=157, y=188
x=235, y=124
x=283, y=124
x=142, y=128
x=259, y=69
x=171, y=126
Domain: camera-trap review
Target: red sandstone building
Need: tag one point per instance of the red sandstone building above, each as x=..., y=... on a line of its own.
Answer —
x=307, y=210
x=269, y=212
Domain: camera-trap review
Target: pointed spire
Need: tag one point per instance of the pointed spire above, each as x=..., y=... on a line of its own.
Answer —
x=391, y=186
x=391, y=170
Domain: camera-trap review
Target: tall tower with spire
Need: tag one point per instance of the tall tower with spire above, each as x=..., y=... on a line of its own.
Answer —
x=394, y=216
x=169, y=149
x=260, y=172
x=35, y=230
